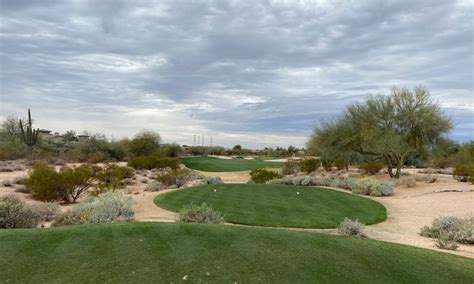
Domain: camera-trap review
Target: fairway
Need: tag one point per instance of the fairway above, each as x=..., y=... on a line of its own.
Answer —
x=165, y=253
x=208, y=164
x=277, y=205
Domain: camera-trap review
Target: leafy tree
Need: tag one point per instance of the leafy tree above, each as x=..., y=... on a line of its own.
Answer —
x=237, y=149
x=70, y=136
x=144, y=143
x=387, y=128
x=11, y=129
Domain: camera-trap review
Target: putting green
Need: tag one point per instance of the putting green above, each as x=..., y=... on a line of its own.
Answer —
x=277, y=205
x=208, y=164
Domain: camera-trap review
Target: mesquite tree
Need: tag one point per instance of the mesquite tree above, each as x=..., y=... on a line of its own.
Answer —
x=29, y=135
x=388, y=128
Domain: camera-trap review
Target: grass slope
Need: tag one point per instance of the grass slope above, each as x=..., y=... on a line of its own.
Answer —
x=164, y=253
x=277, y=205
x=207, y=164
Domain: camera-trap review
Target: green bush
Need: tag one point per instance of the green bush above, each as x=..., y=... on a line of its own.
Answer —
x=371, y=168
x=153, y=162
x=14, y=213
x=341, y=164
x=310, y=165
x=200, y=214
x=76, y=181
x=176, y=177
x=109, y=207
x=461, y=173
x=110, y=178
x=45, y=183
x=351, y=228
x=290, y=167
x=263, y=175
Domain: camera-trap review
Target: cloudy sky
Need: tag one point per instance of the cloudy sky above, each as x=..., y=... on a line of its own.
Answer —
x=257, y=73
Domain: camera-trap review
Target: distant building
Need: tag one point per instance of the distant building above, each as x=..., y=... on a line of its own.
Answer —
x=83, y=137
x=45, y=133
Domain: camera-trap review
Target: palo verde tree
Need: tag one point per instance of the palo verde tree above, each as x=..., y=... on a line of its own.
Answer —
x=388, y=128
x=29, y=135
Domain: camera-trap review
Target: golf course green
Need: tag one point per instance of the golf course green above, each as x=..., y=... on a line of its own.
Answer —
x=209, y=164
x=277, y=205
x=176, y=253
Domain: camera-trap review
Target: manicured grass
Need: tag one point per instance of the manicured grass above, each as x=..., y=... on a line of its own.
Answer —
x=208, y=164
x=277, y=205
x=165, y=253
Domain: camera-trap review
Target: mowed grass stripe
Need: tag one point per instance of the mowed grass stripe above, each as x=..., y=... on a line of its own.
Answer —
x=165, y=253
x=277, y=205
x=208, y=164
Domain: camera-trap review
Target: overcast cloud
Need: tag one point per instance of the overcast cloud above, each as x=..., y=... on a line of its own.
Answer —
x=258, y=73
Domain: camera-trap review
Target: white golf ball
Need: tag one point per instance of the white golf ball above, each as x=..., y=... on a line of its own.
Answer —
x=215, y=190
x=298, y=193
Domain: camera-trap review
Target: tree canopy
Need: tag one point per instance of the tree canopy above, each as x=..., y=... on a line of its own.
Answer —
x=388, y=128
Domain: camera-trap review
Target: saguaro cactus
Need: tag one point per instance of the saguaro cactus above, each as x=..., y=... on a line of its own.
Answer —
x=29, y=135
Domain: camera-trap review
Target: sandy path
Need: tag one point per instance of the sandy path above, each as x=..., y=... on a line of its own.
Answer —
x=229, y=177
x=146, y=210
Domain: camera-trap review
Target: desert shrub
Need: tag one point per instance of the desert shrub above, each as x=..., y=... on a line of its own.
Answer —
x=14, y=213
x=323, y=181
x=406, y=181
x=341, y=164
x=212, y=180
x=373, y=187
x=464, y=232
x=305, y=181
x=45, y=183
x=153, y=162
x=426, y=178
x=177, y=177
x=48, y=211
x=263, y=175
x=76, y=181
x=445, y=241
x=7, y=183
x=344, y=183
x=290, y=167
x=110, y=178
x=450, y=228
x=310, y=165
x=327, y=164
x=363, y=186
x=108, y=207
x=382, y=188
x=351, y=228
x=371, y=168
x=200, y=214
x=96, y=158
x=461, y=173
x=155, y=186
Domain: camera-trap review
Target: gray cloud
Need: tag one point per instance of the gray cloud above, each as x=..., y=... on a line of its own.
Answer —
x=257, y=72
